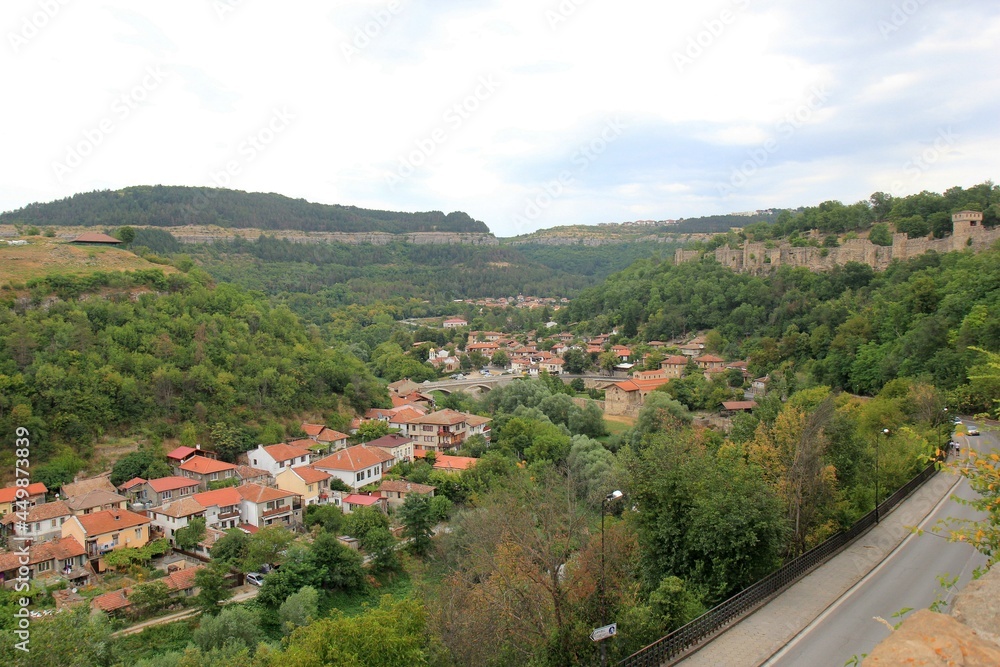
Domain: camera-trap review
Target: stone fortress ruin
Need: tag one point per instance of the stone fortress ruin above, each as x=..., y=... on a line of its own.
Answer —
x=759, y=258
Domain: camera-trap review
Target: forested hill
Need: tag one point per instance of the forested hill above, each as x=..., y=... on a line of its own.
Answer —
x=175, y=206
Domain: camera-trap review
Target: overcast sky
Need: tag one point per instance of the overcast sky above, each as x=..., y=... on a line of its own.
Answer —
x=524, y=113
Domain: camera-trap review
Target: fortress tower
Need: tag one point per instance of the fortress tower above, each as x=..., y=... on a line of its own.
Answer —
x=967, y=225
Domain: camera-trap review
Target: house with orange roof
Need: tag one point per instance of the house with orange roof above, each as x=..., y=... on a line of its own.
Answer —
x=251, y=475
x=708, y=361
x=399, y=446
x=334, y=439
x=627, y=398
x=441, y=430
x=206, y=470
x=553, y=365
x=455, y=323
x=275, y=458
x=312, y=430
x=355, y=466
x=176, y=515
x=395, y=491
x=222, y=507
x=479, y=426
x=31, y=495
x=106, y=531
x=649, y=375
x=403, y=415
x=95, y=501
x=310, y=483
x=61, y=557
x=43, y=522
x=448, y=462
x=355, y=500
x=155, y=492
x=180, y=583
x=177, y=456
x=263, y=506
x=82, y=486
x=674, y=365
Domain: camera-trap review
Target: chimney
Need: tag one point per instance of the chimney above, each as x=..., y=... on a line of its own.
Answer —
x=198, y=446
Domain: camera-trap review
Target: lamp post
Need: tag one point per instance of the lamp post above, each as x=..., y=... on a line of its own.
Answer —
x=947, y=440
x=614, y=495
x=886, y=432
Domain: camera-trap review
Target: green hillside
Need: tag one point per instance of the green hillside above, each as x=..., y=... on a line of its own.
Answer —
x=174, y=206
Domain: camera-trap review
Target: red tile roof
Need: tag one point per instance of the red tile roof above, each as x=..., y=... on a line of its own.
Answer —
x=358, y=457
x=358, y=499
x=220, y=497
x=739, y=405
x=445, y=417
x=402, y=486
x=109, y=521
x=289, y=451
x=59, y=549
x=95, y=237
x=135, y=481
x=171, y=483
x=202, y=465
x=312, y=429
x=256, y=493
x=675, y=360
x=111, y=601
x=182, y=579
x=446, y=461
x=9, y=494
x=310, y=475
x=42, y=512
x=181, y=453
x=180, y=508
x=641, y=385
x=709, y=359
x=329, y=435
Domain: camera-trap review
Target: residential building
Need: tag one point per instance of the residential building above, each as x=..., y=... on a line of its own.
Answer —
x=31, y=495
x=673, y=366
x=399, y=446
x=447, y=462
x=709, y=361
x=396, y=491
x=333, y=440
x=554, y=365
x=222, y=507
x=439, y=431
x=155, y=492
x=627, y=398
x=479, y=426
x=176, y=515
x=312, y=484
x=95, y=501
x=356, y=466
x=355, y=500
x=649, y=375
x=454, y=323
x=80, y=487
x=61, y=557
x=403, y=415
x=691, y=349
x=263, y=506
x=275, y=458
x=106, y=531
x=181, y=454
x=43, y=523
x=180, y=583
x=730, y=408
x=250, y=475
x=206, y=470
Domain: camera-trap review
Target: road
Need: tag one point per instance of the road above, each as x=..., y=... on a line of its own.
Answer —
x=906, y=579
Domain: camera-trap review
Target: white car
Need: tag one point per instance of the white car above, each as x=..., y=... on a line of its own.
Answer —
x=972, y=431
x=255, y=579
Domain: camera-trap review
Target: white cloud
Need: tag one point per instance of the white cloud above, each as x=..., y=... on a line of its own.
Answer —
x=699, y=87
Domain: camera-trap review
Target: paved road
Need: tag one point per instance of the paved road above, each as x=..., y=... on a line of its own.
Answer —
x=907, y=579
x=754, y=640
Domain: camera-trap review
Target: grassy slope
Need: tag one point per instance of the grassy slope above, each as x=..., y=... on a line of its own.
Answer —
x=47, y=256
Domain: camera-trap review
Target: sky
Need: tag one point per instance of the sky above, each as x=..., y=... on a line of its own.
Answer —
x=526, y=114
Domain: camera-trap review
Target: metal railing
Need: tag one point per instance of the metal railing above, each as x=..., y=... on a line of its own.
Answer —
x=749, y=599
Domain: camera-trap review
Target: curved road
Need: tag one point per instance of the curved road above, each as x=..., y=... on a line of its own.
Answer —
x=906, y=579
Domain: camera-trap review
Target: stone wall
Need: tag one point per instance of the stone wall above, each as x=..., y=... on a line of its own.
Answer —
x=757, y=258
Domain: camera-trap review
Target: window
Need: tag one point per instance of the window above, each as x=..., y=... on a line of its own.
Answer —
x=38, y=527
x=369, y=472
x=138, y=533
x=214, y=476
x=360, y=476
x=44, y=566
x=166, y=495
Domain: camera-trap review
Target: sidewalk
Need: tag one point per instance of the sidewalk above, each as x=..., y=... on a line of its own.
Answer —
x=752, y=641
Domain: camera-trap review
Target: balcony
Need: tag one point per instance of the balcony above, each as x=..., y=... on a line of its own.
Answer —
x=284, y=509
x=229, y=514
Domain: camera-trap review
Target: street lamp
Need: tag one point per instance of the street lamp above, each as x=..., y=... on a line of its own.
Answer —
x=611, y=497
x=886, y=432
x=947, y=440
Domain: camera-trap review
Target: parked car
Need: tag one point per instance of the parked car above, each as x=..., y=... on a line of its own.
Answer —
x=972, y=431
x=255, y=579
